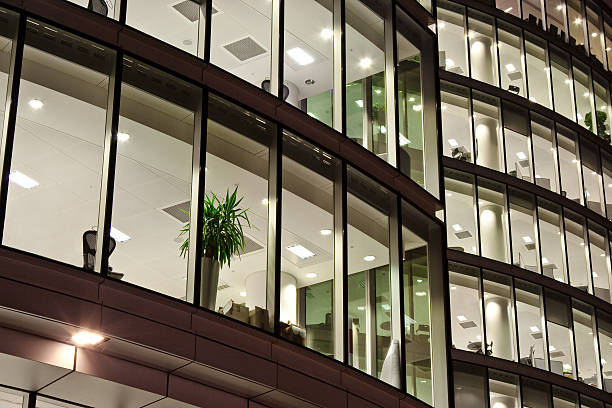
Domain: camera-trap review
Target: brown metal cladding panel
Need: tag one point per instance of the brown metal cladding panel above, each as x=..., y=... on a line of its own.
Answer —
x=148, y=333
x=49, y=304
x=310, y=389
x=120, y=371
x=236, y=361
x=202, y=395
x=231, y=333
x=146, y=304
x=310, y=363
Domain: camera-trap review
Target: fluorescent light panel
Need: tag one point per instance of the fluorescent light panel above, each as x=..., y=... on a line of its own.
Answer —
x=300, y=56
x=119, y=236
x=22, y=180
x=301, y=251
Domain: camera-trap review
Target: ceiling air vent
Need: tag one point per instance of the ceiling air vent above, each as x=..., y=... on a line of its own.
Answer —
x=177, y=211
x=463, y=234
x=190, y=10
x=468, y=325
x=537, y=335
x=556, y=354
x=245, y=49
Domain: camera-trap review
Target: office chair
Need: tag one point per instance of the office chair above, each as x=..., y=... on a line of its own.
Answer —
x=98, y=6
x=89, y=250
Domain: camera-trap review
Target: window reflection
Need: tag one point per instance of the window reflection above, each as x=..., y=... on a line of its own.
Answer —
x=530, y=323
x=569, y=164
x=563, y=89
x=510, y=44
x=598, y=248
x=518, y=145
x=591, y=176
x=588, y=367
x=560, y=344
x=465, y=308
x=604, y=325
x=577, y=256
x=544, y=152
x=576, y=22
x=525, y=243
x=503, y=389
x=582, y=88
x=470, y=385
x=456, y=122
x=452, y=39
x=550, y=223
x=537, y=70
x=602, y=107
x=534, y=393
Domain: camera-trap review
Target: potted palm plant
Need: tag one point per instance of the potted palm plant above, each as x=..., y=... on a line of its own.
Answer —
x=222, y=238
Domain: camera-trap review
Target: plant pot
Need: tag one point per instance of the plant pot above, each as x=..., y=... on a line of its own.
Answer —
x=209, y=280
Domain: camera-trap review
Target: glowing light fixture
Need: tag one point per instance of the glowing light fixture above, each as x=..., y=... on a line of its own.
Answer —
x=365, y=63
x=22, y=180
x=300, y=56
x=36, y=104
x=369, y=258
x=301, y=251
x=84, y=338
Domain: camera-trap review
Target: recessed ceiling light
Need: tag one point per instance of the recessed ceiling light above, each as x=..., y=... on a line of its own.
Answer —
x=453, y=288
x=534, y=329
x=411, y=99
x=243, y=294
x=359, y=103
x=457, y=227
x=87, y=338
x=594, y=35
x=560, y=7
x=377, y=91
x=461, y=318
x=510, y=67
x=587, y=94
x=118, y=235
x=544, y=260
x=264, y=201
x=417, y=108
x=301, y=251
x=22, y=180
x=300, y=56
x=36, y=104
x=326, y=232
x=578, y=21
x=419, y=280
x=123, y=137
x=385, y=306
x=453, y=142
x=369, y=258
x=327, y=33
x=421, y=293
x=360, y=307
x=521, y=156
x=567, y=366
x=311, y=275
x=552, y=348
x=450, y=63
x=365, y=63
x=444, y=107
x=528, y=240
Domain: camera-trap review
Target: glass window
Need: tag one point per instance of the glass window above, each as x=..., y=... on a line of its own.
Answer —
x=493, y=223
x=483, y=57
x=452, y=40
x=602, y=107
x=560, y=345
x=415, y=267
x=524, y=230
x=510, y=46
x=604, y=325
x=56, y=165
x=237, y=157
x=608, y=39
x=369, y=298
x=504, y=389
x=108, y=8
x=465, y=307
x=489, y=146
x=456, y=122
x=569, y=165
x=576, y=22
x=530, y=323
x=366, y=117
x=509, y=6
x=180, y=25
x=563, y=398
x=536, y=54
x=586, y=356
x=308, y=193
x=308, y=58
x=532, y=10
x=152, y=194
x=606, y=163
x=591, y=176
x=535, y=394
x=470, y=385
x=544, y=152
x=499, y=315
x=462, y=234
x=518, y=145
x=578, y=262
x=550, y=224
x=410, y=101
x=595, y=37
x=555, y=17
x=241, y=39
x=563, y=90
x=10, y=398
x=598, y=246
x=584, y=100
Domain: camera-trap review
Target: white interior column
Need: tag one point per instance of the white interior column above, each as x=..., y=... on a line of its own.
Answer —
x=492, y=232
x=497, y=320
x=256, y=294
x=485, y=130
x=481, y=55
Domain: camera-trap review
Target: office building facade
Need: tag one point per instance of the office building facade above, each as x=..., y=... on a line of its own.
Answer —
x=305, y=203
